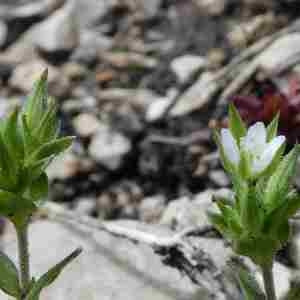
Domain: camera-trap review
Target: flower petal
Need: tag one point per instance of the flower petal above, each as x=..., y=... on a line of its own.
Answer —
x=268, y=154
x=230, y=147
x=255, y=140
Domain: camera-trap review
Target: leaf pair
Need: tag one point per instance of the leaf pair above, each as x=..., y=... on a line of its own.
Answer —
x=9, y=277
x=50, y=276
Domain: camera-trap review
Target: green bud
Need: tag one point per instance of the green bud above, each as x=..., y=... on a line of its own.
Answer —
x=29, y=141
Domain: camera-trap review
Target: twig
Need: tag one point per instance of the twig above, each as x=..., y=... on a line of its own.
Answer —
x=58, y=213
x=176, y=251
x=250, y=69
x=194, y=137
x=236, y=70
x=239, y=82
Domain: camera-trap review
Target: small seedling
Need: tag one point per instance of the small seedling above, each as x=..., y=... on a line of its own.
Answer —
x=257, y=222
x=29, y=141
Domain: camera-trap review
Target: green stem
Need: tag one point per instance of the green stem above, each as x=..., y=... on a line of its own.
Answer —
x=269, y=283
x=22, y=234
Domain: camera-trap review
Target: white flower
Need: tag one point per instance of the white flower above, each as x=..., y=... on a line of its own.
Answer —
x=259, y=152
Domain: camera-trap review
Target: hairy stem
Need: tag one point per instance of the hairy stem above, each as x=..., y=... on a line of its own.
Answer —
x=269, y=283
x=22, y=233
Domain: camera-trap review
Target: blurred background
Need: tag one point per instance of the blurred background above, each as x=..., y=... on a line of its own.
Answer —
x=132, y=81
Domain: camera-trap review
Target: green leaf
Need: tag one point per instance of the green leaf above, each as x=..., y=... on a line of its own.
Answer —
x=12, y=137
x=7, y=164
x=7, y=202
x=245, y=165
x=273, y=128
x=231, y=218
x=241, y=190
x=5, y=182
x=278, y=184
x=247, y=281
x=219, y=222
x=9, y=280
x=52, y=148
x=281, y=214
x=259, y=190
x=36, y=103
x=38, y=167
x=252, y=213
x=49, y=277
x=47, y=129
x=30, y=142
x=236, y=124
x=38, y=190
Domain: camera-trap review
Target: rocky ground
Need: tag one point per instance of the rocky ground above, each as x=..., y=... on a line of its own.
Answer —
x=140, y=83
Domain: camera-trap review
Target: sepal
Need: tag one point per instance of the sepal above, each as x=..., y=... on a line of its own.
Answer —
x=273, y=128
x=278, y=184
x=236, y=124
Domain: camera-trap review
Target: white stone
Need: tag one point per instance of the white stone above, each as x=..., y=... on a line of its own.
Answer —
x=151, y=208
x=279, y=52
x=91, y=11
x=212, y=7
x=59, y=32
x=157, y=108
x=197, y=96
x=25, y=75
x=86, y=124
x=139, y=98
x=65, y=166
x=28, y=9
x=185, y=66
x=108, y=147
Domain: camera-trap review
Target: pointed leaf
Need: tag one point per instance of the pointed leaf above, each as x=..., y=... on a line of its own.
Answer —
x=9, y=280
x=30, y=142
x=231, y=218
x=37, y=101
x=38, y=190
x=241, y=190
x=282, y=213
x=278, y=184
x=7, y=202
x=49, y=277
x=7, y=164
x=245, y=165
x=37, y=168
x=252, y=214
x=236, y=124
x=52, y=148
x=219, y=222
x=12, y=137
x=273, y=128
x=47, y=128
